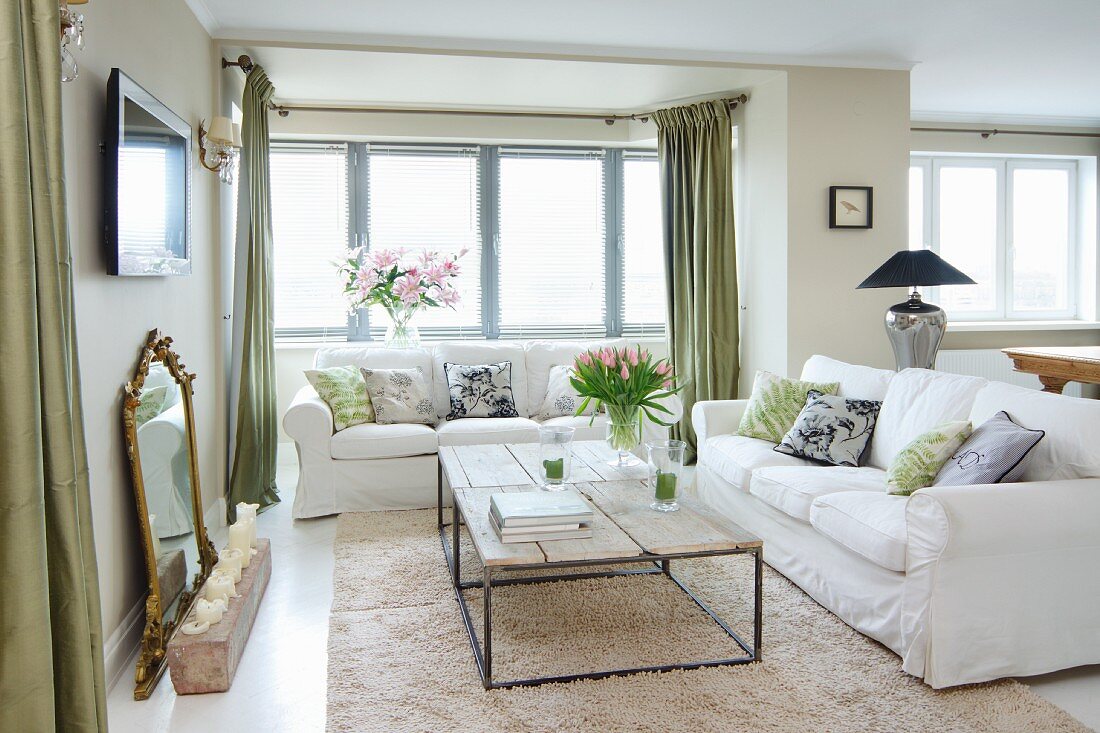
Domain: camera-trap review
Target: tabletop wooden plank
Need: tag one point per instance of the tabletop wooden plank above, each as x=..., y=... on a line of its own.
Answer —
x=491, y=465
x=608, y=540
x=666, y=533
x=527, y=455
x=474, y=504
x=596, y=454
x=452, y=468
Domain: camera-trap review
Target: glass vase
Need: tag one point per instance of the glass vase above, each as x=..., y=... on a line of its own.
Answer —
x=401, y=334
x=666, y=468
x=555, y=456
x=624, y=433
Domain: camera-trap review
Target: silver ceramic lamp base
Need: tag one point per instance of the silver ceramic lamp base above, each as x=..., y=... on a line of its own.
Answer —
x=915, y=329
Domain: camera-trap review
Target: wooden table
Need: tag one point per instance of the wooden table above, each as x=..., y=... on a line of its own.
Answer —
x=1057, y=365
x=625, y=531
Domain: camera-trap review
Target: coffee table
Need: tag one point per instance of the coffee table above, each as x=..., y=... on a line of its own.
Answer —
x=625, y=531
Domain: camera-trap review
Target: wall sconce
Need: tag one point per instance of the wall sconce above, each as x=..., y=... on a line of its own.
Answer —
x=72, y=31
x=219, y=148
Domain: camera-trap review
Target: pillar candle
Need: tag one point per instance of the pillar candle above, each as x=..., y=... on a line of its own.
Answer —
x=232, y=585
x=230, y=560
x=239, y=533
x=209, y=611
x=219, y=585
x=248, y=511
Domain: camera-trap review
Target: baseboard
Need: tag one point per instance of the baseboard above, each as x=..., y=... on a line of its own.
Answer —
x=214, y=517
x=123, y=643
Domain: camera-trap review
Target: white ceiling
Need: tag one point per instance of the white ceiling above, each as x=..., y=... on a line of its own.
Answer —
x=973, y=59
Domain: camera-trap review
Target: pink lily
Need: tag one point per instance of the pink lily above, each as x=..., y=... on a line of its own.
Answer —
x=462, y=252
x=384, y=259
x=436, y=274
x=409, y=290
x=449, y=297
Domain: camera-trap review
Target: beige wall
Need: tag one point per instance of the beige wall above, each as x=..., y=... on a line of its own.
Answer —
x=114, y=314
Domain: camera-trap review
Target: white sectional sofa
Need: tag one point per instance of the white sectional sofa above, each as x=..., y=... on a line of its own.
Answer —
x=966, y=583
x=373, y=467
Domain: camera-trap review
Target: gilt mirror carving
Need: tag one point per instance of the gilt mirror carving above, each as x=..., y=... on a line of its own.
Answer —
x=159, y=423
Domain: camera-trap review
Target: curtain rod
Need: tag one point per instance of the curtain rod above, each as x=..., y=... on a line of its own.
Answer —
x=986, y=134
x=244, y=63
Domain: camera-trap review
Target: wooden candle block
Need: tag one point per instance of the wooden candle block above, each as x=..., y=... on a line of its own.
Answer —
x=207, y=662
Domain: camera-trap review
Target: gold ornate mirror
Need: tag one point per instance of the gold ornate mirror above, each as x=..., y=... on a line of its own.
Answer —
x=159, y=422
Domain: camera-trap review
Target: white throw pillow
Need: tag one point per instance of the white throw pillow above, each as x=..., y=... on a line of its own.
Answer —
x=400, y=396
x=561, y=399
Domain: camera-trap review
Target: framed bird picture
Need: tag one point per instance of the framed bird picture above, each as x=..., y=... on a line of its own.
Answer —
x=850, y=207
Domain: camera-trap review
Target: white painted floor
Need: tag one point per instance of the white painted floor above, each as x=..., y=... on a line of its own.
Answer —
x=280, y=683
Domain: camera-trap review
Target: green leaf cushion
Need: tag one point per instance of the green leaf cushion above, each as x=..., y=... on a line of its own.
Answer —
x=152, y=404
x=345, y=392
x=917, y=464
x=775, y=404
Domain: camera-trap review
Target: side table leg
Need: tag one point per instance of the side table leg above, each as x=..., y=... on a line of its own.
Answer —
x=666, y=567
x=439, y=493
x=456, y=551
x=487, y=589
x=758, y=610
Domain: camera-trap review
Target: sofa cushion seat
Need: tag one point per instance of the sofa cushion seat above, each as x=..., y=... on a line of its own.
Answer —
x=487, y=430
x=596, y=431
x=869, y=524
x=735, y=457
x=792, y=489
x=371, y=440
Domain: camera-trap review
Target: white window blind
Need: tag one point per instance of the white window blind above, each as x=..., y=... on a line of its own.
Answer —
x=309, y=210
x=551, y=243
x=423, y=198
x=143, y=207
x=644, y=302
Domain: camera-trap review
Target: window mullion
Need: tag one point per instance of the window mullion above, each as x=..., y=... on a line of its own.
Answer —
x=1004, y=286
x=613, y=239
x=489, y=172
x=359, y=224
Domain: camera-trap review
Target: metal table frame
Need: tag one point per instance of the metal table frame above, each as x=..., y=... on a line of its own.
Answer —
x=661, y=565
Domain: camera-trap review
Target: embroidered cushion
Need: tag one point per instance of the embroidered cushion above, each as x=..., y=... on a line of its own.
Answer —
x=400, y=395
x=483, y=390
x=561, y=399
x=993, y=454
x=344, y=391
x=775, y=404
x=917, y=464
x=831, y=429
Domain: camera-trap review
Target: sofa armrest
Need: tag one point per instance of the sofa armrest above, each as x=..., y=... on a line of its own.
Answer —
x=308, y=420
x=716, y=417
x=1001, y=580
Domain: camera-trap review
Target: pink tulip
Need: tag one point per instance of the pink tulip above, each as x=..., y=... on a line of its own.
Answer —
x=585, y=359
x=644, y=354
x=663, y=368
x=608, y=359
x=624, y=373
x=632, y=356
x=667, y=384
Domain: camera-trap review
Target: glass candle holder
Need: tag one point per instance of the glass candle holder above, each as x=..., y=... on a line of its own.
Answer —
x=666, y=468
x=555, y=456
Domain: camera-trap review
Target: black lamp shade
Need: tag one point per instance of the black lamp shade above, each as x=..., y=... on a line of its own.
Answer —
x=910, y=268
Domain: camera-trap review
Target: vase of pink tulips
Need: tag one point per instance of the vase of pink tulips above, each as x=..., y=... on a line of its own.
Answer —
x=628, y=383
x=402, y=282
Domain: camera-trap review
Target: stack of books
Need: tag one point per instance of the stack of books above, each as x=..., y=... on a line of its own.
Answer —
x=535, y=516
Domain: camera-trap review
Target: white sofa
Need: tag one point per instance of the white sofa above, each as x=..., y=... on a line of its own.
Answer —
x=966, y=583
x=373, y=467
x=165, y=468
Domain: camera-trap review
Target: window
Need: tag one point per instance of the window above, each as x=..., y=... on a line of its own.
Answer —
x=561, y=242
x=1006, y=222
x=309, y=212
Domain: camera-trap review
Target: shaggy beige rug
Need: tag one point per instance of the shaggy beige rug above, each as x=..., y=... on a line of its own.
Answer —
x=400, y=659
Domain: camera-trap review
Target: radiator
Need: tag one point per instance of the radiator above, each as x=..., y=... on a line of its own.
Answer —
x=992, y=364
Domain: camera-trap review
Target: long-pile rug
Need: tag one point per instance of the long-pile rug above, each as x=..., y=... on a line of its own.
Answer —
x=400, y=659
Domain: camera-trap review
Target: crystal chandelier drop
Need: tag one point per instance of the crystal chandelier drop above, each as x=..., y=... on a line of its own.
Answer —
x=72, y=34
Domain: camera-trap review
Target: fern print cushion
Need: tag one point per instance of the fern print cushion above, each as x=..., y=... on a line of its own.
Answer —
x=775, y=404
x=345, y=392
x=831, y=429
x=917, y=464
x=152, y=404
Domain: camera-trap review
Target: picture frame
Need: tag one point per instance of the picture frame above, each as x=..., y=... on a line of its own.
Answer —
x=851, y=207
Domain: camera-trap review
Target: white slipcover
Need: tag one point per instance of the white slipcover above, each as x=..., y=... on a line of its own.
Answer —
x=542, y=356
x=486, y=430
x=871, y=524
x=471, y=354
x=856, y=382
x=371, y=440
x=736, y=457
x=792, y=489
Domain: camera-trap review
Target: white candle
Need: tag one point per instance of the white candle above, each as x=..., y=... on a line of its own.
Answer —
x=209, y=611
x=248, y=512
x=230, y=561
x=239, y=540
x=228, y=576
x=219, y=585
x=194, y=628
x=153, y=534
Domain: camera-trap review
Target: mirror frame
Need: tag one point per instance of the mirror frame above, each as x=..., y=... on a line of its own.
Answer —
x=152, y=659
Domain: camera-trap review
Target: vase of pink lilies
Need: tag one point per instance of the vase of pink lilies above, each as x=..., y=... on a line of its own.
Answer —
x=403, y=282
x=629, y=383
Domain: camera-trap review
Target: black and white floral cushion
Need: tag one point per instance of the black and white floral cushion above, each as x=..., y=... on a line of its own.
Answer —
x=400, y=396
x=483, y=390
x=561, y=399
x=831, y=429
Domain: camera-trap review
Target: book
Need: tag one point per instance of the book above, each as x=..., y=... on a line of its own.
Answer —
x=583, y=532
x=540, y=528
x=532, y=508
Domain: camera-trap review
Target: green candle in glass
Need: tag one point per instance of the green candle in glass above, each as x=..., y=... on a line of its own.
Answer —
x=554, y=468
x=666, y=486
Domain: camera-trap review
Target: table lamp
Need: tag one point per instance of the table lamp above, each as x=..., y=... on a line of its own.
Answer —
x=915, y=328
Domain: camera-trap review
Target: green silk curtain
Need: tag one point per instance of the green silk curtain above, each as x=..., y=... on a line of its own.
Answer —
x=252, y=478
x=51, y=645
x=695, y=147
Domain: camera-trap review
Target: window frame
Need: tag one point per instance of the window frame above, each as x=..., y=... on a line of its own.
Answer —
x=489, y=156
x=1004, y=269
